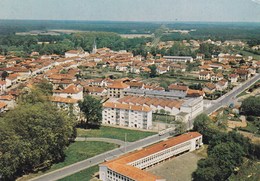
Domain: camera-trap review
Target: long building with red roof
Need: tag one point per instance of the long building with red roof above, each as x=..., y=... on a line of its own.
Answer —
x=131, y=166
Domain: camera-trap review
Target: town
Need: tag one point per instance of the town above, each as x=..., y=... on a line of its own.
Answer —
x=129, y=90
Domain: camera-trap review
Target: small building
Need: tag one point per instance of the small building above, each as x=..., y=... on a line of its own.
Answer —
x=209, y=88
x=222, y=85
x=233, y=78
x=178, y=89
x=204, y=75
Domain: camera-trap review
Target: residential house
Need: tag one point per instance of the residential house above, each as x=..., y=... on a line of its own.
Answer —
x=205, y=75
x=95, y=91
x=178, y=89
x=71, y=91
x=2, y=86
x=116, y=89
x=209, y=88
x=68, y=104
x=233, y=78
x=3, y=107
x=222, y=85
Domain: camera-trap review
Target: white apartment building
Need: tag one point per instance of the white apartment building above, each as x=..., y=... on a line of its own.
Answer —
x=181, y=59
x=130, y=167
x=127, y=115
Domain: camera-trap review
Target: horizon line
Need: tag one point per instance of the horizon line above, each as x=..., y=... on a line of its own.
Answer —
x=131, y=21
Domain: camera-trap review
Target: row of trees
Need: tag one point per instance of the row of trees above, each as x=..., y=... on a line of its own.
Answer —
x=225, y=151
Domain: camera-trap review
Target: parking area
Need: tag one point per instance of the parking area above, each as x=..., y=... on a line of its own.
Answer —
x=179, y=168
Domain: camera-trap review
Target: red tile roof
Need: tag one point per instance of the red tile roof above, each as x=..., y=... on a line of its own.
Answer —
x=121, y=164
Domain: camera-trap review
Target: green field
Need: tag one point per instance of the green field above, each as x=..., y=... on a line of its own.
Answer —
x=84, y=175
x=76, y=152
x=114, y=133
x=79, y=151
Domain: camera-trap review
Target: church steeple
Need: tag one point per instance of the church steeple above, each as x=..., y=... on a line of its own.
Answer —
x=94, y=50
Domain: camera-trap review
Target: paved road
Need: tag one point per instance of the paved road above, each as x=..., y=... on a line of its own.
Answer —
x=108, y=140
x=230, y=96
x=74, y=168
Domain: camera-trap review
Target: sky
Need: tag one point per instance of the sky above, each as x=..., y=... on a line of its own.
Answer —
x=133, y=10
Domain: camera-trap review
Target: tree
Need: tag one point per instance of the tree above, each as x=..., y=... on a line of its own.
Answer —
x=220, y=163
x=251, y=106
x=92, y=109
x=35, y=135
x=45, y=87
x=4, y=75
x=180, y=127
x=153, y=69
x=204, y=125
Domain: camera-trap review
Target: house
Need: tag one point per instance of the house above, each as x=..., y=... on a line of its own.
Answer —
x=2, y=86
x=243, y=74
x=135, y=85
x=71, y=91
x=221, y=85
x=178, y=89
x=116, y=88
x=132, y=166
x=3, y=107
x=127, y=115
x=161, y=70
x=204, y=75
x=122, y=67
x=76, y=53
x=12, y=79
x=95, y=91
x=9, y=100
x=217, y=77
x=209, y=88
x=233, y=78
x=68, y=104
x=200, y=56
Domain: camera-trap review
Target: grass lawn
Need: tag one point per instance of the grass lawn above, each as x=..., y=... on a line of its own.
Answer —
x=84, y=175
x=76, y=152
x=115, y=133
x=79, y=151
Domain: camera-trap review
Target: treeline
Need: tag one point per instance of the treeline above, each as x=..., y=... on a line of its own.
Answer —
x=24, y=45
x=225, y=151
x=33, y=135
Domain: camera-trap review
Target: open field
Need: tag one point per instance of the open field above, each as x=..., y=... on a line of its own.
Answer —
x=84, y=175
x=76, y=152
x=115, y=133
x=179, y=168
